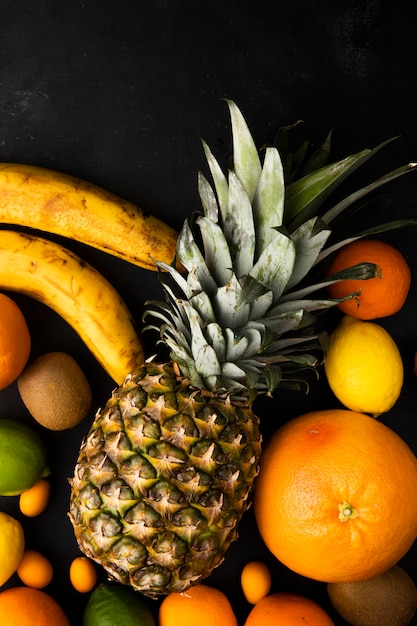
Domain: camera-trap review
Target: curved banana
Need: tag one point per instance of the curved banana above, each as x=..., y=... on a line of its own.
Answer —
x=54, y=202
x=76, y=291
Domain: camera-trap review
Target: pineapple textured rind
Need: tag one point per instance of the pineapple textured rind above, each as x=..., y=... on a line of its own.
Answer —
x=162, y=480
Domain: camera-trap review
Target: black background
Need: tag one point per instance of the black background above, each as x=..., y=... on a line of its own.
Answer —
x=120, y=93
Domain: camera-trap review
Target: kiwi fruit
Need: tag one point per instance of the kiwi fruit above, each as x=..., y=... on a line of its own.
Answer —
x=55, y=391
x=389, y=599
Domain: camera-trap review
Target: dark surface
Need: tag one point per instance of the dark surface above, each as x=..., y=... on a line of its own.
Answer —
x=120, y=93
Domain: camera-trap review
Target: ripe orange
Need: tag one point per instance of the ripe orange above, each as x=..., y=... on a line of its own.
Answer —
x=335, y=496
x=83, y=574
x=201, y=604
x=34, y=501
x=287, y=609
x=35, y=570
x=15, y=341
x=23, y=606
x=380, y=296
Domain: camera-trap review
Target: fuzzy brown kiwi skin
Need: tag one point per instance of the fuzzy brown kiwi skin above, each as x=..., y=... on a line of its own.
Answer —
x=55, y=391
x=389, y=599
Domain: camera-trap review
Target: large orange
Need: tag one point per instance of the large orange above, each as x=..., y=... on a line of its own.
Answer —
x=24, y=606
x=15, y=341
x=288, y=609
x=380, y=296
x=335, y=496
x=201, y=604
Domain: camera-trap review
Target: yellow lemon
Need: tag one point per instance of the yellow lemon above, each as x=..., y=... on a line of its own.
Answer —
x=363, y=366
x=12, y=545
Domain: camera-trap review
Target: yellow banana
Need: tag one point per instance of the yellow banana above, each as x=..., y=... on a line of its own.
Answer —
x=54, y=202
x=76, y=291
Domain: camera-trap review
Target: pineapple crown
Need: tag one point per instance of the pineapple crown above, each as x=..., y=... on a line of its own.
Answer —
x=241, y=319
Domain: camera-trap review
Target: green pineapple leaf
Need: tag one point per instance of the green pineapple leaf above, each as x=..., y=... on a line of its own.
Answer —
x=238, y=227
x=361, y=271
x=220, y=182
x=274, y=267
x=309, y=241
x=330, y=215
x=216, y=251
x=268, y=204
x=306, y=195
x=246, y=162
x=208, y=199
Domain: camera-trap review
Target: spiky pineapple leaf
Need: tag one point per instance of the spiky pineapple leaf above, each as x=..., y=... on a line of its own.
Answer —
x=191, y=257
x=204, y=355
x=208, y=199
x=309, y=241
x=306, y=195
x=217, y=253
x=220, y=181
x=304, y=305
x=361, y=271
x=268, y=204
x=319, y=158
x=274, y=267
x=368, y=232
x=330, y=215
x=231, y=310
x=239, y=228
x=279, y=324
x=260, y=305
x=246, y=162
x=216, y=339
x=236, y=346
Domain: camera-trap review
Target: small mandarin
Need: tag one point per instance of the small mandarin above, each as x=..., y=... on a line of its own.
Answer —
x=380, y=296
x=83, y=574
x=35, y=570
x=287, y=609
x=200, y=604
x=15, y=343
x=25, y=606
x=34, y=501
x=255, y=581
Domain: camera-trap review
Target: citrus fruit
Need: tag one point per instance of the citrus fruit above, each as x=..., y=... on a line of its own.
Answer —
x=200, y=604
x=287, y=609
x=24, y=606
x=255, y=581
x=389, y=599
x=83, y=574
x=33, y=501
x=22, y=457
x=363, y=366
x=380, y=296
x=335, y=496
x=111, y=604
x=12, y=545
x=15, y=341
x=35, y=570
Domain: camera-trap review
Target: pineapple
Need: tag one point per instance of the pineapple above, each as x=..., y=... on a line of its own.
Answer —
x=166, y=470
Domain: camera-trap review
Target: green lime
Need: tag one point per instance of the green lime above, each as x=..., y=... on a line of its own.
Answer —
x=22, y=457
x=114, y=605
